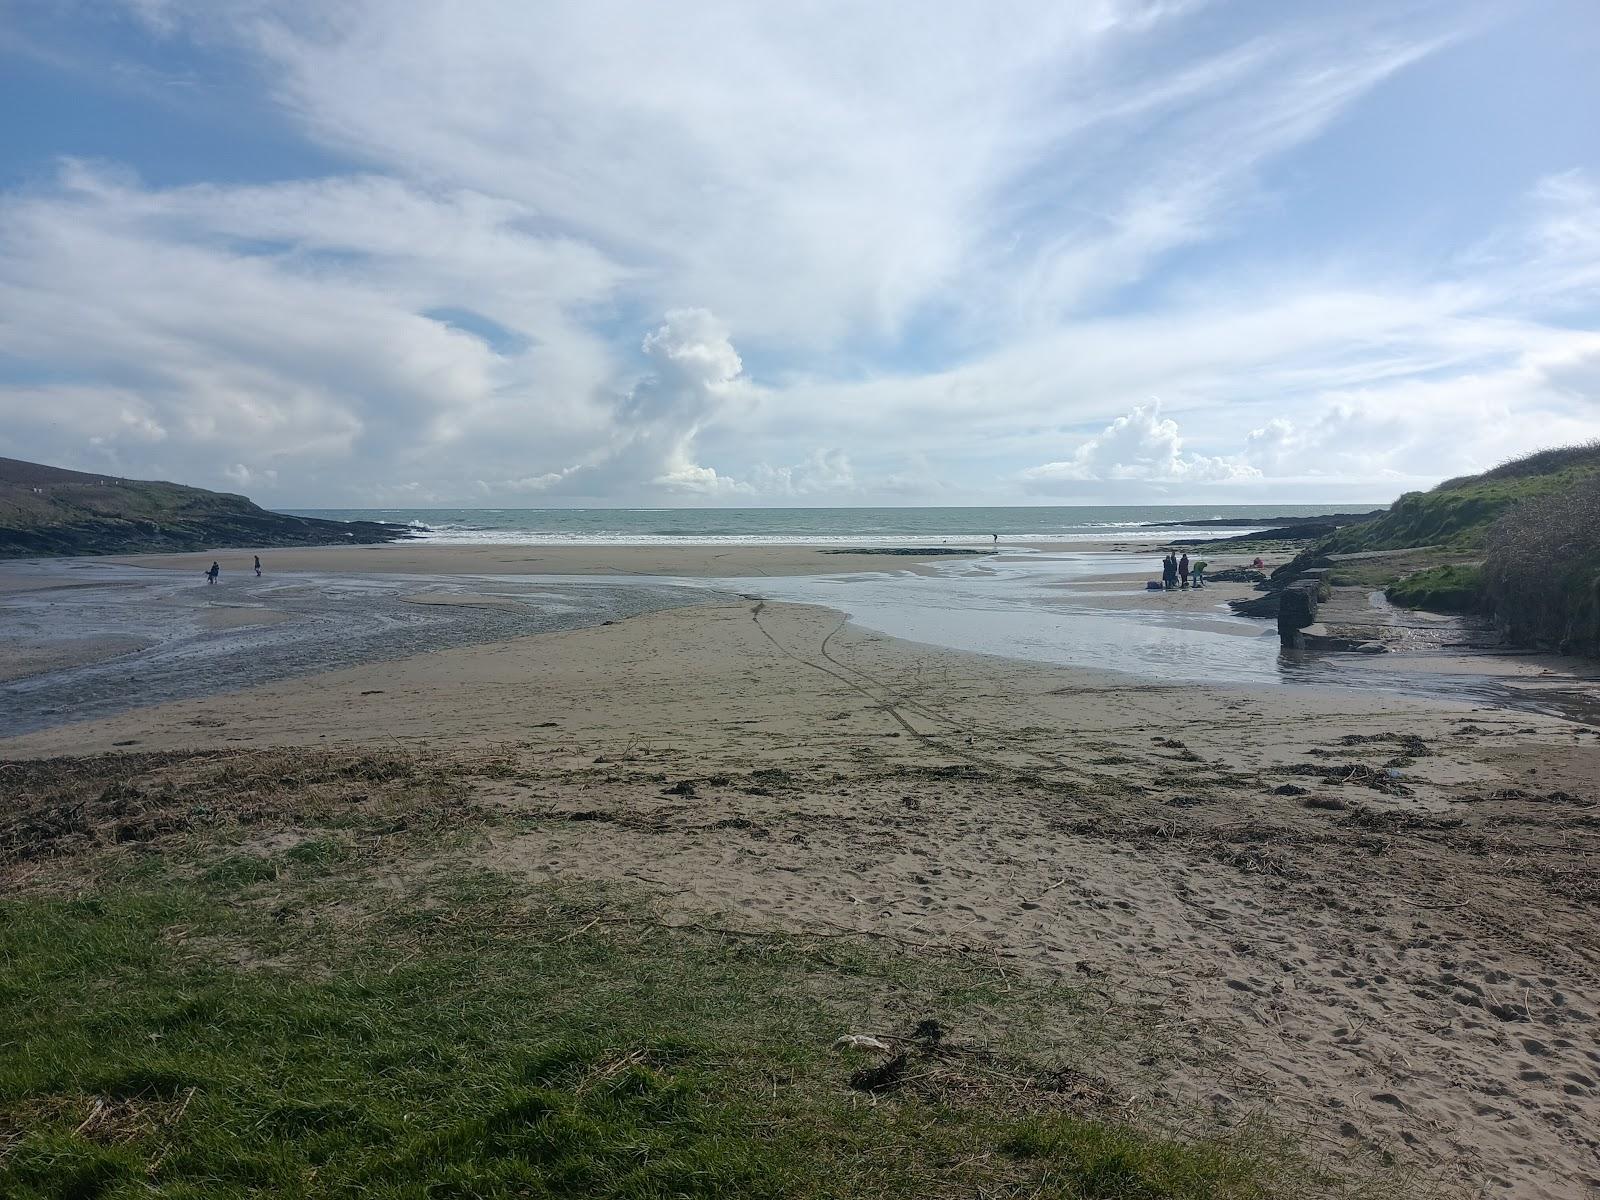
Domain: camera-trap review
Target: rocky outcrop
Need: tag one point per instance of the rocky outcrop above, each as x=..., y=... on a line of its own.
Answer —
x=1297, y=607
x=1334, y=520
x=1237, y=575
x=1293, y=602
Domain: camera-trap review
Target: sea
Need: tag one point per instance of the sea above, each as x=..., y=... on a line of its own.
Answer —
x=821, y=526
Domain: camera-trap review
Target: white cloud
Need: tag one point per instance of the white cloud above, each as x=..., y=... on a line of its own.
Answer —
x=694, y=375
x=287, y=324
x=824, y=472
x=1141, y=445
x=920, y=232
x=244, y=477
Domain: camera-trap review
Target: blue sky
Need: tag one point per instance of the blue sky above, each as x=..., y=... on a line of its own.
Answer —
x=357, y=253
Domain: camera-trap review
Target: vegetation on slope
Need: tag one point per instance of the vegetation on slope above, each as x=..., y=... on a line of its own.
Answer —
x=1455, y=587
x=1458, y=513
x=47, y=511
x=1541, y=575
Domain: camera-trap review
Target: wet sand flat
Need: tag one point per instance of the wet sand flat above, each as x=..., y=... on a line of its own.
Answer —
x=20, y=659
x=422, y=558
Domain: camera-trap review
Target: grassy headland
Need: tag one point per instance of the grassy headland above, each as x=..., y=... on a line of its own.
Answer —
x=50, y=511
x=1519, y=543
x=1459, y=513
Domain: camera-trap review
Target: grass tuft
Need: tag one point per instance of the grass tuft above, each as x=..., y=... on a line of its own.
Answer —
x=1454, y=588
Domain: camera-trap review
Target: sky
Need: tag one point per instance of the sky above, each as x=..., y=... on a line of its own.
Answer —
x=359, y=253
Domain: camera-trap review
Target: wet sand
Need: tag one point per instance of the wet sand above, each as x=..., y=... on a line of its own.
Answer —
x=1368, y=917
x=21, y=658
x=424, y=558
x=81, y=639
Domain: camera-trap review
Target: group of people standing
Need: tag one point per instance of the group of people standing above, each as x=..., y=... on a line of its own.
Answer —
x=1176, y=572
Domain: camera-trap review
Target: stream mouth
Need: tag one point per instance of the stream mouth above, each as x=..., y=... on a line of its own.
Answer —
x=1091, y=610
x=88, y=639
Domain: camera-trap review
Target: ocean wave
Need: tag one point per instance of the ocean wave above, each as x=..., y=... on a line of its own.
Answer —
x=445, y=535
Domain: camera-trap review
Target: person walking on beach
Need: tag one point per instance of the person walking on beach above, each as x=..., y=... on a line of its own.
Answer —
x=1200, y=574
x=1183, y=569
x=258, y=566
x=996, y=538
x=211, y=575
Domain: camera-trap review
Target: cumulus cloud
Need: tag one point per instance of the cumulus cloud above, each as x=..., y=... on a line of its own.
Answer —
x=1141, y=445
x=822, y=473
x=695, y=373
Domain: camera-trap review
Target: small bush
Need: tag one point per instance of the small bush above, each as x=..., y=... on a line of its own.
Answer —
x=1542, y=570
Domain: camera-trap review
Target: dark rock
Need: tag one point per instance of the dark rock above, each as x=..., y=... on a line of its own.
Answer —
x=1260, y=606
x=1336, y=520
x=1297, y=606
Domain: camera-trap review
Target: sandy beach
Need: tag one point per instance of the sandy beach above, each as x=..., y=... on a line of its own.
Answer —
x=1369, y=917
x=446, y=559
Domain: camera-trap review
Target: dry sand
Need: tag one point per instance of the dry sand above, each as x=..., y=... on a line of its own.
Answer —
x=1415, y=974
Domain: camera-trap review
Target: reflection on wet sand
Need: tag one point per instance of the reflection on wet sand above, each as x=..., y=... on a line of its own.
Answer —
x=87, y=639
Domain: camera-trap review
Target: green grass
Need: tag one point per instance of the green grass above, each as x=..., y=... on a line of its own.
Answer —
x=437, y=1055
x=1458, y=515
x=1457, y=587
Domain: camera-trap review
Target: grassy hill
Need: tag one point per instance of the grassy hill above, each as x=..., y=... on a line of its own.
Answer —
x=50, y=511
x=1520, y=542
x=1460, y=512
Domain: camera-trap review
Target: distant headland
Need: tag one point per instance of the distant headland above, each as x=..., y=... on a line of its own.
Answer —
x=48, y=511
